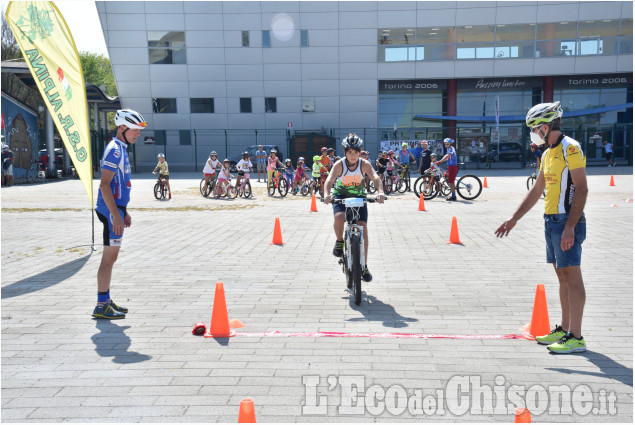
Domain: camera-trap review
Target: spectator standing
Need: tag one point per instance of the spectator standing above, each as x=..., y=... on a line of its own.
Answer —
x=453, y=166
x=424, y=157
x=261, y=162
x=7, y=165
x=608, y=151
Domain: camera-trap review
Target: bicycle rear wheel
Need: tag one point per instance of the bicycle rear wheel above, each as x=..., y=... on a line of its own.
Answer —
x=357, y=268
x=469, y=187
x=283, y=187
x=444, y=188
x=271, y=187
x=429, y=187
x=157, y=190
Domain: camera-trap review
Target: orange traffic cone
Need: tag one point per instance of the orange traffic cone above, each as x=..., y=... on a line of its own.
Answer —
x=523, y=416
x=219, y=328
x=313, y=205
x=454, y=233
x=485, y=183
x=540, y=317
x=277, y=234
x=422, y=206
x=246, y=415
x=612, y=181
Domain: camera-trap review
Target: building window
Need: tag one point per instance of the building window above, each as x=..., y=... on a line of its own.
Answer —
x=266, y=38
x=308, y=104
x=304, y=38
x=202, y=105
x=270, y=104
x=160, y=137
x=164, y=105
x=185, y=137
x=245, y=36
x=245, y=104
x=167, y=47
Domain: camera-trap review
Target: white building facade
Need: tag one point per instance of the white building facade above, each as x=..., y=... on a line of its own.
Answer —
x=198, y=70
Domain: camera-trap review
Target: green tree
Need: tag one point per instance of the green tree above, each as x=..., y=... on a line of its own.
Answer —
x=98, y=71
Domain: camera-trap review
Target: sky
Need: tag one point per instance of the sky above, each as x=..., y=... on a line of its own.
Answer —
x=83, y=21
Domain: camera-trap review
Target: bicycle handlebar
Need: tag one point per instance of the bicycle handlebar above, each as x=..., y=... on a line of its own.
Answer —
x=337, y=201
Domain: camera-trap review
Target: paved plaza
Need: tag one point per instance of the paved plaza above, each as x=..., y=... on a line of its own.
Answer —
x=59, y=364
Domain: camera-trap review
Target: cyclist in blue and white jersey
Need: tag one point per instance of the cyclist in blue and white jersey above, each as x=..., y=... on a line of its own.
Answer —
x=112, y=200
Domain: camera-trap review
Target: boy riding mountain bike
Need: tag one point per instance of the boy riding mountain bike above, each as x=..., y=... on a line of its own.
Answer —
x=164, y=173
x=347, y=181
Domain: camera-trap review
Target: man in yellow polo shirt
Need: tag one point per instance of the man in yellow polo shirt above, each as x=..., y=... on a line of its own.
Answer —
x=562, y=172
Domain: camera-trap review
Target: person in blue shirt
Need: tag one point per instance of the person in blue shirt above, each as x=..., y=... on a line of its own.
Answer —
x=112, y=200
x=453, y=166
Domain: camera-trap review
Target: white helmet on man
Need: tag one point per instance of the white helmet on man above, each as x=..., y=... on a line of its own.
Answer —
x=543, y=113
x=130, y=119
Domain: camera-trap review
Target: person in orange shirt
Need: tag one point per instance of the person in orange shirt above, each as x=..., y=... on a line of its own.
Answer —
x=326, y=163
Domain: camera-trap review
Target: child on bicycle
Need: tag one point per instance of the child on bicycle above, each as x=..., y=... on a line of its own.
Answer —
x=289, y=172
x=243, y=166
x=300, y=174
x=272, y=165
x=434, y=170
x=164, y=173
x=318, y=170
x=209, y=171
x=223, y=177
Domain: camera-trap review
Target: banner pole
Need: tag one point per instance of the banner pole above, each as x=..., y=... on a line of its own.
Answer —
x=93, y=245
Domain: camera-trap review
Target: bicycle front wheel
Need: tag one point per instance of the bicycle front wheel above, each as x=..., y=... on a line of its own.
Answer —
x=400, y=186
x=157, y=190
x=283, y=187
x=247, y=190
x=469, y=187
x=531, y=180
x=304, y=190
x=371, y=187
x=164, y=191
x=231, y=192
x=357, y=268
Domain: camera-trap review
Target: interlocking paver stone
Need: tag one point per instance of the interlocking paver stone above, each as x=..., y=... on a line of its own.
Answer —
x=54, y=355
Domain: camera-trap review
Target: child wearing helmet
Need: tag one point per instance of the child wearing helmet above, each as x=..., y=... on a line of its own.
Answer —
x=164, y=173
x=300, y=173
x=244, y=167
x=289, y=172
x=209, y=171
x=272, y=165
x=223, y=178
x=318, y=169
x=434, y=169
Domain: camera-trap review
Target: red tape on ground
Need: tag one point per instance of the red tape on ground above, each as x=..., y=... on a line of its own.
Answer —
x=375, y=335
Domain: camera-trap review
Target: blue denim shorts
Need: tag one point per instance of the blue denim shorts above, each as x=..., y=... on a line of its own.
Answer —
x=554, y=226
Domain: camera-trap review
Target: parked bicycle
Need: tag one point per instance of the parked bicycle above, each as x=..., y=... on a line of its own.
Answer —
x=353, y=259
x=160, y=188
x=207, y=189
x=467, y=187
x=36, y=174
x=279, y=183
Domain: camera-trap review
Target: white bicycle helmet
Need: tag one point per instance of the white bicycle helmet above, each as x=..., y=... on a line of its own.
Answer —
x=130, y=119
x=161, y=155
x=213, y=153
x=448, y=140
x=543, y=113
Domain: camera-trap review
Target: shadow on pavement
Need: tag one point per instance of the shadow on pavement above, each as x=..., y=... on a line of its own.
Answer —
x=375, y=310
x=609, y=368
x=45, y=279
x=111, y=341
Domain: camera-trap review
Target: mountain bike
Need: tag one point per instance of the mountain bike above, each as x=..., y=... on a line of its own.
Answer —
x=399, y=182
x=160, y=188
x=278, y=182
x=467, y=187
x=206, y=190
x=353, y=259
x=244, y=189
